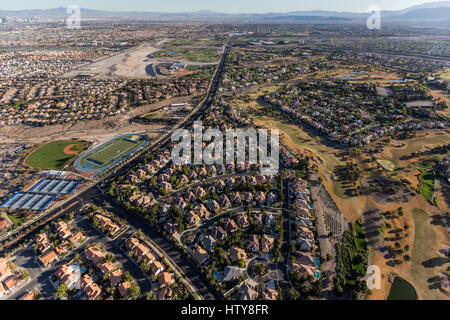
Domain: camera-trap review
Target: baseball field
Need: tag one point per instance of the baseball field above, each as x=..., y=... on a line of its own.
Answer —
x=56, y=155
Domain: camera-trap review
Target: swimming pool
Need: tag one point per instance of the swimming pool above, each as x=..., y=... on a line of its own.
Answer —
x=310, y=206
x=217, y=275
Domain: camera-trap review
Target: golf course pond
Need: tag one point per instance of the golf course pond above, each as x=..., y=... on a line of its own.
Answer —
x=401, y=290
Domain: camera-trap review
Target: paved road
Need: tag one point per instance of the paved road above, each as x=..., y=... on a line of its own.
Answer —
x=39, y=277
x=91, y=194
x=176, y=255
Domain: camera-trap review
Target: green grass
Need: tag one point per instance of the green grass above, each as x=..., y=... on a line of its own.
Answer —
x=191, y=54
x=426, y=183
x=151, y=115
x=360, y=238
x=109, y=152
x=417, y=144
x=51, y=155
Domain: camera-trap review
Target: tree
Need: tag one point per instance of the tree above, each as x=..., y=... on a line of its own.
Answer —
x=61, y=291
x=150, y=296
x=134, y=292
x=293, y=294
x=126, y=276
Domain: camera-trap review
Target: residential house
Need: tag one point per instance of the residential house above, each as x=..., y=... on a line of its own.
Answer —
x=111, y=227
x=267, y=243
x=236, y=199
x=115, y=277
x=171, y=227
x=76, y=237
x=95, y=255
x=237, y=253
x=258, y=219
x=225, y=202
x=230, y=226
x=242, y=220
x=248, y=198
x=199, y=192
x=303, y=232
x=132, y=243
x=148, y=258
x=248, y=293
x=27, y=296
x=165, y=293
x=260, y=198
x=208, y=242
x=212, y=205
x=218, y=233
x=124, y=287
x=232, y=273
x=200, y=255
x=67, y=275
x=305, y=270
x=62, y=247
x=64, y=233
x=61, y=225
x=202, y=212
x=156, y=267
x=192, y=218
x=269, y=294
x=272, y=197
x=305, y=244
x=139, y=251
x=48, y=258
x=253, y=243
x=166, y=279
x=108, y=267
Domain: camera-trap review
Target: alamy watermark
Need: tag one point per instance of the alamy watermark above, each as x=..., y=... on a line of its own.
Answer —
x=234, y=147
x=373, y=280
x=374, y=20
x=74, y=19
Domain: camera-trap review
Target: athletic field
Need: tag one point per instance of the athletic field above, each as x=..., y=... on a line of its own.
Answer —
x=56, y=155
x=109, y=153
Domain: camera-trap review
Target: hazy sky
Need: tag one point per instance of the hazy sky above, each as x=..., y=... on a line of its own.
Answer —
x=244, y=6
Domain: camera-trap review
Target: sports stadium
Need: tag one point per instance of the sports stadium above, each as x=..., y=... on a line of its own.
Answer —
x=110, y=153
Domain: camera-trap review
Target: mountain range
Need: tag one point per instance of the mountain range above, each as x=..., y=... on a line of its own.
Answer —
x=436, y=11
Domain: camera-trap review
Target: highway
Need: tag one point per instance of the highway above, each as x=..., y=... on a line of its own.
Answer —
x=92, y=193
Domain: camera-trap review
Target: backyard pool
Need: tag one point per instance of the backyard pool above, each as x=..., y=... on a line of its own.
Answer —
x=217, y=275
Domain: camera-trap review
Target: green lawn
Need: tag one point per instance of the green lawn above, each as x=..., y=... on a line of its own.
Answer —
x=111, y=151
x=426, y=183
x=191, y=54
x=52, y=157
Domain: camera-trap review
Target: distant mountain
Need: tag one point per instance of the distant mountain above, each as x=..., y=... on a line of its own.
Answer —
x=428, y=14
x=431, y=5
x=435, y=11
x=305, y=18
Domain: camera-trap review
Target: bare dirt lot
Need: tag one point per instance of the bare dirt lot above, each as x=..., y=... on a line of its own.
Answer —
x=98, y=131
x=135, y=63
x=129, y=64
